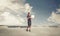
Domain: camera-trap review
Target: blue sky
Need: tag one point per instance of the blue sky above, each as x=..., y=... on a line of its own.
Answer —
x=43, y=9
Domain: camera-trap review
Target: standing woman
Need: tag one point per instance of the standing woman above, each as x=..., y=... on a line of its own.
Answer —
x=29, y=22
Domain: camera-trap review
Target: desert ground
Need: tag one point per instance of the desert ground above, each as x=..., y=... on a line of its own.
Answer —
x=35, y=31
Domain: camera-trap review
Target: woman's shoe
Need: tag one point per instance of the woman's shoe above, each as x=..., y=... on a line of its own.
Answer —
x=26, y=29
x=29, y=30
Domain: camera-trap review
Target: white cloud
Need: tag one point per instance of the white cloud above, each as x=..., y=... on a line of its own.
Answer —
x=22, y=6
x=17, y=7
x=27, y=7
x=58, y=10
x=9, y=19
x=55, y=17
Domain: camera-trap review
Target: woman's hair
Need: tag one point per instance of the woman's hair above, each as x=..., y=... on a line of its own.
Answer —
x=28, y=14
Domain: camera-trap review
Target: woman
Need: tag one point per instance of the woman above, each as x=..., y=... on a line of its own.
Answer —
x=29, y=22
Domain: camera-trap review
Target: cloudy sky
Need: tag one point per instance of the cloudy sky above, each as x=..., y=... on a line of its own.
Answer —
x=44, y=11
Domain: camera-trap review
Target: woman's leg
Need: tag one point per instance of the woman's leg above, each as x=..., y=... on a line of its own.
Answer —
x=30, y=28
x=27, y=28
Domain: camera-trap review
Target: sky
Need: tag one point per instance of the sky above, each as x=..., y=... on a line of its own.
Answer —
x=43, y=11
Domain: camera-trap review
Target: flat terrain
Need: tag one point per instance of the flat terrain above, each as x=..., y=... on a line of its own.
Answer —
x=35, y=31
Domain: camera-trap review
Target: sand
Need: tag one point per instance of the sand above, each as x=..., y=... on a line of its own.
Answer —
x=35, y=31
